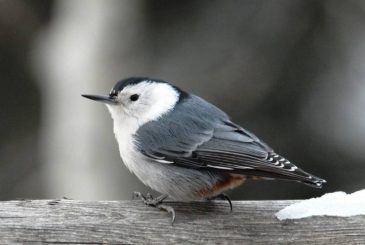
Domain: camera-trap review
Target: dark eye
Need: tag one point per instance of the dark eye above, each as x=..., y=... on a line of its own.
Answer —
x=134, y=97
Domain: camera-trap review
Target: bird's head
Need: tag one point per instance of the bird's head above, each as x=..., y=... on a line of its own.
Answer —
x=141, y=98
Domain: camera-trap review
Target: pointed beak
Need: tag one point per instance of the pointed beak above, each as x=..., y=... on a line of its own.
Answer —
x=101, y=98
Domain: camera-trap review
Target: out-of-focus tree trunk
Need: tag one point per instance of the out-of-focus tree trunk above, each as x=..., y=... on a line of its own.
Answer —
x=75, y=56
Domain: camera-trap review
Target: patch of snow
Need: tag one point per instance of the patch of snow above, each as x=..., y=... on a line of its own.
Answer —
x=331, y=204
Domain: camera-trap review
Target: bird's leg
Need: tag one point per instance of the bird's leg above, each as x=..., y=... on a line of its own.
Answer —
x=223, y=196
x=156, y=202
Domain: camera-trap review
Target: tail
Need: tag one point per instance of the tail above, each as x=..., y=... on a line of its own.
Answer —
x=313, y=181
x=291, y=172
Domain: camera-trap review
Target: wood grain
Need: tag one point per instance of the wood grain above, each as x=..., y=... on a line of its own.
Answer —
x=131, y=222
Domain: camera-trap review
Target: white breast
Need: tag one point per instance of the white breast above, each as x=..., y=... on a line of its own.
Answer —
x=148, y=172
x=124, y=132
x=136, y=162
x=156, y=100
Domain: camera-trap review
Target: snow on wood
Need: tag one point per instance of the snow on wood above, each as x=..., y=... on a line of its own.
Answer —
x=331, y=204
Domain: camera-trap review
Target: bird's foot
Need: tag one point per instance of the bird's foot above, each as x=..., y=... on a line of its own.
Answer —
x=223, y=196
x=156, y=202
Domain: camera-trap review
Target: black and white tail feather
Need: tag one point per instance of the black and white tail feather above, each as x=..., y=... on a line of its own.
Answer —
x=304, y=177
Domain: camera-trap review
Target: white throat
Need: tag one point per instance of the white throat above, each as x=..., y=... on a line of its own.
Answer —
x=157, y=99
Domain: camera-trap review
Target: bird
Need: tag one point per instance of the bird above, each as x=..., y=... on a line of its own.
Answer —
x=186, y=148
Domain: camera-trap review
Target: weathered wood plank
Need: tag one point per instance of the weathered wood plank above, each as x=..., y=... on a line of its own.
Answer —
x=70, y=221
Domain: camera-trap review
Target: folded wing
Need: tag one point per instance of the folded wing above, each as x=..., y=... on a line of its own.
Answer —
x=199, y=135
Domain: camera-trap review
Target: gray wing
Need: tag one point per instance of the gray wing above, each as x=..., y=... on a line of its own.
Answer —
x=198, y=135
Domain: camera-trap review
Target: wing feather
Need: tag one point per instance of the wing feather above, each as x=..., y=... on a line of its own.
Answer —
x=198, y=135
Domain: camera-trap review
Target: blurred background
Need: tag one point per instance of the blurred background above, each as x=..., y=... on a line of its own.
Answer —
x=291, y=71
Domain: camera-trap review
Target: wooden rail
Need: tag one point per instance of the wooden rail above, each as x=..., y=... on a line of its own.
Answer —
x=131, y=222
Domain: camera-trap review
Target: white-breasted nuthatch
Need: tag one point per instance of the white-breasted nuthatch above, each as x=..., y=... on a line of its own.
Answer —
x=186, y=148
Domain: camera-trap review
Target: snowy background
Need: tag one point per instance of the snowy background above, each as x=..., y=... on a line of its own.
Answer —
x=291, y=71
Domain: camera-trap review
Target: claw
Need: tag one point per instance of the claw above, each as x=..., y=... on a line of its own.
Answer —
x=169, y=210
x=139, y=195
x=156, y=202
x=223, y=196
x=149, y=196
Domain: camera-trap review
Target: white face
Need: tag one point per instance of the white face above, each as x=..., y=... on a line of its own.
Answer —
x=145, y=101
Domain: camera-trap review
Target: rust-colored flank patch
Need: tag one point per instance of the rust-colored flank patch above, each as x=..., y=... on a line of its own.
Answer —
x=230, y=182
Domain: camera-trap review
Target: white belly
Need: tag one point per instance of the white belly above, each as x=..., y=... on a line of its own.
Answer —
x=147, y=172
x=177, y=182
